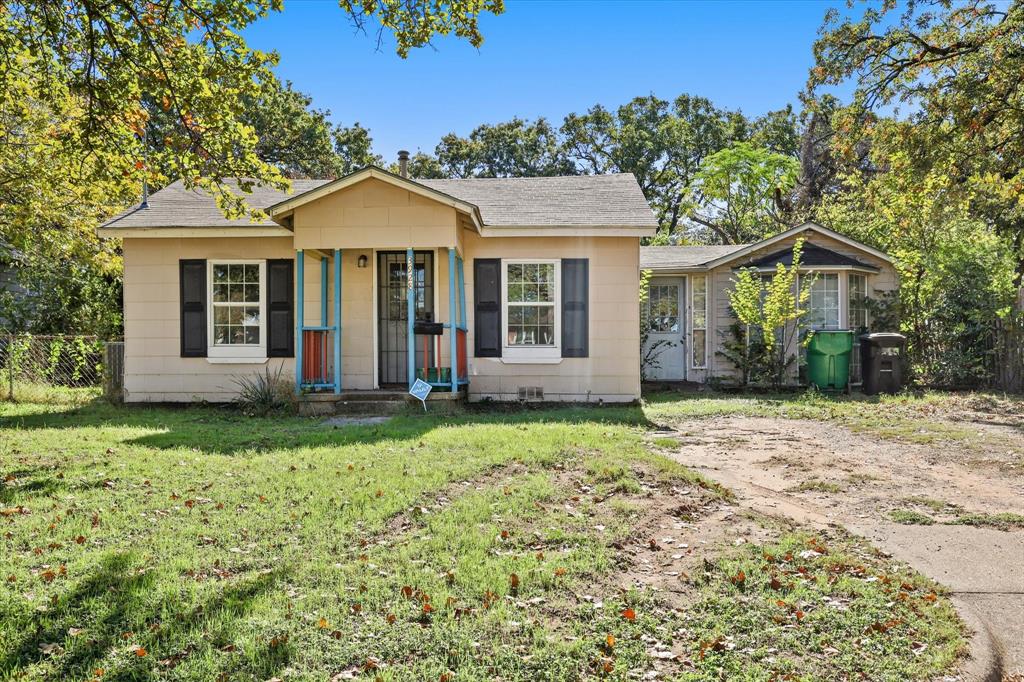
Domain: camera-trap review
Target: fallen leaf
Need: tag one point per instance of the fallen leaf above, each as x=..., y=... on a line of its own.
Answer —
x=629, y=614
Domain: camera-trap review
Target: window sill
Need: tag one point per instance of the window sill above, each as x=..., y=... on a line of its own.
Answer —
x=236, y=361
x=526, y=360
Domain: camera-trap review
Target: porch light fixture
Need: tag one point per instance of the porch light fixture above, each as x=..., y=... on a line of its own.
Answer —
x=361, y=261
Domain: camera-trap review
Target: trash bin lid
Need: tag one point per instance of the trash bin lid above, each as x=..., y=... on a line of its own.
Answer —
x=884, y=338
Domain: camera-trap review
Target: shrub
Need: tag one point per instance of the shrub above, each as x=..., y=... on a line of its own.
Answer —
x=263, y=393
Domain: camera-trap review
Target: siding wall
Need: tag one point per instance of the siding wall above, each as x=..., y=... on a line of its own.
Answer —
x=612, y=372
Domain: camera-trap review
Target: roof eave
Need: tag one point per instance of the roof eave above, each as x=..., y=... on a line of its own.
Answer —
x=812, y=226
x=568, y=230
x=193, y=232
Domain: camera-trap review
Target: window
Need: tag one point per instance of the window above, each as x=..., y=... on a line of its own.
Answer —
x=237, y=309
x=663, y=308
x=531, y=305
x=856, y=305
x=699, y=320
x=823, y=305
x=857, y=319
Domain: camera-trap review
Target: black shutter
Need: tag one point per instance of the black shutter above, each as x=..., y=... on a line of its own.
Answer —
x=575, y=307
x=280, y=308
x=192, y=278
x=487, y=307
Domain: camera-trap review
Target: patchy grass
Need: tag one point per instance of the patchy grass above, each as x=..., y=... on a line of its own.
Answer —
x=816, y=485
x=196, y=543
x=929, y=418
x=1001, y=520
x=909, y=517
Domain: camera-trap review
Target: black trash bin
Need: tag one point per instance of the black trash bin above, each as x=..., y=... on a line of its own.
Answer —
x=882, y=357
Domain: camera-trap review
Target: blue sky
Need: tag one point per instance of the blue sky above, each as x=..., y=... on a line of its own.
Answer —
x=544, y=58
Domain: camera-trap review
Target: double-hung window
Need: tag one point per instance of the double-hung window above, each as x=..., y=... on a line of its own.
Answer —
x=823, y=305
x=531, y=308
x=237, y=310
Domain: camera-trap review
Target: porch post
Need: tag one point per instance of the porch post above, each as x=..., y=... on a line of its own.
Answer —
x=410, y=284
x=323, y=291
x=337, y=320
x=300, y=309
x=453, y=322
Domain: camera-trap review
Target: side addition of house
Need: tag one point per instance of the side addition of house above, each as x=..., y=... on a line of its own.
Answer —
x=688, y=301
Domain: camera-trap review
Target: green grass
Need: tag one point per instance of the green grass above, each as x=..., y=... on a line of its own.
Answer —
x=1000, y=520
x=819, y=608
x=250, y=548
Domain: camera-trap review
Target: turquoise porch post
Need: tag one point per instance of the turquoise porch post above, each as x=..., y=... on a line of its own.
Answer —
x=410, y=283
x=337, y=320
x=300, y=307
x=323, y=291
x=452, y=322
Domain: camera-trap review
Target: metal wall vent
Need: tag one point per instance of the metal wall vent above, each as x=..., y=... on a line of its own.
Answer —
x=531, y=393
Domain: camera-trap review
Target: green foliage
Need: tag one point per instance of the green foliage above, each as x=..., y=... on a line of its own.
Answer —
x=264, y=393
x=515, y=148
x=772, y=308
x=747, y=353
x=739, y=190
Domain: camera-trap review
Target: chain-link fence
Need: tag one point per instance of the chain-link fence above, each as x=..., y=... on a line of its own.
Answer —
x=31, y=364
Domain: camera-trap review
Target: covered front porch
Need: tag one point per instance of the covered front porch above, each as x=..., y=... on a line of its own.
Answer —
x=370, y=319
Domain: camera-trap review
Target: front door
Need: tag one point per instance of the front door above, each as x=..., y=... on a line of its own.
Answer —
x=664, y=349
x=392, y=318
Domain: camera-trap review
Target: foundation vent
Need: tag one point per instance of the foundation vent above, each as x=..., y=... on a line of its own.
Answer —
x=531, y=393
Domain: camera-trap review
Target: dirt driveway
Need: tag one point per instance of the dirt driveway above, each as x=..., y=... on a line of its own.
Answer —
x=954, y=505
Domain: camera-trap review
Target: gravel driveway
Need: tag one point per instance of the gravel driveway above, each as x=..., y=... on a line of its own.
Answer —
x=822, y=474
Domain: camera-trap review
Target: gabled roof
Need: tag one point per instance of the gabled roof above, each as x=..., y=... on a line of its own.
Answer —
x=607, y=202
x=811, y=256
x=655, y=257
x=668, y=258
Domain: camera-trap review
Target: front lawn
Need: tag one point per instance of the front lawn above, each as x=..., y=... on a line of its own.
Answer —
x=195, y=543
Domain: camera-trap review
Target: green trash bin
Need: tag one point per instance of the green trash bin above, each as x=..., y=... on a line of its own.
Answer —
x=828, y=359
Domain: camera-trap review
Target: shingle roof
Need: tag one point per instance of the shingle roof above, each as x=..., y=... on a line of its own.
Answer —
x=589, y=200
x=669, y=257
x=554, y=201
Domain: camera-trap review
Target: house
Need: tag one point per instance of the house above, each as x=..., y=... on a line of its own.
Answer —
x=688, y=302
x=512, y=288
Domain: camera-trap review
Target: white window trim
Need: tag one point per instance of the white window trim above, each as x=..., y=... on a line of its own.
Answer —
x=526, y=353
x=689, y=321
x=236, y=353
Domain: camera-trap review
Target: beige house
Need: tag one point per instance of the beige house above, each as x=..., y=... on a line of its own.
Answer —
x=688, y=302
x=521, y=288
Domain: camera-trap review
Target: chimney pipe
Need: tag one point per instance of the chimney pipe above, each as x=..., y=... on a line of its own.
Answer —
x=403, y=163
x=145, y=194
x=145, y=181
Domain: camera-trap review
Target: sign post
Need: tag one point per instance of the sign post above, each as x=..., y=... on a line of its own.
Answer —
x=420, y=390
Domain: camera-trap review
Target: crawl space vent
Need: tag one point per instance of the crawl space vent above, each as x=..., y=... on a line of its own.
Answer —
x=531, y=393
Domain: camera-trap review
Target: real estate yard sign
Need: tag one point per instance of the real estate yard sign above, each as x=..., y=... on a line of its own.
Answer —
x=420, y=390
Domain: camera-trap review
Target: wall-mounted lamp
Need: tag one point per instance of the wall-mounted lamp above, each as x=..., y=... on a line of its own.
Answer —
x=361, y=261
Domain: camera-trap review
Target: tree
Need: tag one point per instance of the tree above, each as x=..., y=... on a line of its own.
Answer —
x=770, y=313
x=515, y=148
x=736, y=193
x=956, y=68
x=353, y=149
x=121, y=59
x=662, y=143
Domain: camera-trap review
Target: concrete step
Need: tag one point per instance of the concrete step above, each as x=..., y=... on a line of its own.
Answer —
x=364, y=406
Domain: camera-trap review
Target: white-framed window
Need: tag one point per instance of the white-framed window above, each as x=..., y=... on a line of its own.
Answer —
x=699, y=321
x=823, y=306
x=663, y=308
x=857, y=310
x=237, y=310
x=531, y=308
